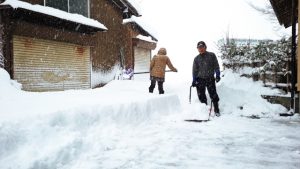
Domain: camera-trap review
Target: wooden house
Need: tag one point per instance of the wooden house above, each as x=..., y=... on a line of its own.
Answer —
x=288, y=15
x=58, y=50
x=141, y=43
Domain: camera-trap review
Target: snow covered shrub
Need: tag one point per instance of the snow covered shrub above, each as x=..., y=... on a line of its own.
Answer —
x=272, y=55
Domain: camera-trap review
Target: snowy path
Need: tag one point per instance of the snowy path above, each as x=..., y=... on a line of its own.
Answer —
x=226, y=142
x=121, y=126
x=210, y=145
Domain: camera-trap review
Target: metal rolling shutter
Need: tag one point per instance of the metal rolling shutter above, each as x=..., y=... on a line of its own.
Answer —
x=141, y=59
x=44, y=65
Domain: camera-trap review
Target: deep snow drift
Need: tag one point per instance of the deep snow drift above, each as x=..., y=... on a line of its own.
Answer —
x=121, y=125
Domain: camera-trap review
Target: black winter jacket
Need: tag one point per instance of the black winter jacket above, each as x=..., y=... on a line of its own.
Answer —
x=205, y=65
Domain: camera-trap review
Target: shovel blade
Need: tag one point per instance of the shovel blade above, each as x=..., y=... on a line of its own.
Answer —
x=196, y=120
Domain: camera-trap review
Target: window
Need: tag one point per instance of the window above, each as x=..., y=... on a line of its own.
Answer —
x=78, y=6
x=71, y=6
x=58, y=4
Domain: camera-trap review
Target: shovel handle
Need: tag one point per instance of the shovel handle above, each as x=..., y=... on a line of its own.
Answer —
x=190, y=96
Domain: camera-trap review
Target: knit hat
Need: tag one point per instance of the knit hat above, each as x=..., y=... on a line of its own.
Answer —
x=201, y=44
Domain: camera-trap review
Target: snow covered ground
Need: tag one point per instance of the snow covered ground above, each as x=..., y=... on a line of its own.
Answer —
x=122, y=126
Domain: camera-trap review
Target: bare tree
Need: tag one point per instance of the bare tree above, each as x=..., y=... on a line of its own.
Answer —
x=268, y=11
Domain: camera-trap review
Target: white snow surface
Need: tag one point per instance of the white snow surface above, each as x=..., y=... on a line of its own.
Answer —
x=55, y=12
x=123, y=126
x=145, y=38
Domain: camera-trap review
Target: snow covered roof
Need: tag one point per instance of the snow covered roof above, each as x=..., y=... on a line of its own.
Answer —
x=128, y=6
x=141, y=25
x=146, y=38
x=55, y=12
x=135, y=6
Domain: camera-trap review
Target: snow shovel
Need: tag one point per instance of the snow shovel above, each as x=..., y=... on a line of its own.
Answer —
x=199, y=121
x=196, y=120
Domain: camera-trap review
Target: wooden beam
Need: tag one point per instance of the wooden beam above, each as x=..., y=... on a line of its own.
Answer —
x=298, y=52
x=293, y=65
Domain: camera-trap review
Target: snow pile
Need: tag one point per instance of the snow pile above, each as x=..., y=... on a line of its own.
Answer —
x=103, y=77
x=121, y=125
x=8, y=86
x=64, y=124
x=242, y=96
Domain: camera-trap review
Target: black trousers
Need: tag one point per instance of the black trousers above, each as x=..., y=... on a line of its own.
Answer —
x=160, y=86
x=210, y=84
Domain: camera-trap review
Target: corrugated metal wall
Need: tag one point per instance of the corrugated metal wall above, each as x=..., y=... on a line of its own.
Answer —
x=44, y=65
x=141, y=60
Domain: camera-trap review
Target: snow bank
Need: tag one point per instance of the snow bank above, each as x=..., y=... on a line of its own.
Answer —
x=103, y=77
x=8, y=86
x=242, y=96
x=30, y=122
x=120, y=123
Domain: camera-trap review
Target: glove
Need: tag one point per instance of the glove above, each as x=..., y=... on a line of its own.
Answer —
x=218, y=79
x=218, y=75
x=194, y=83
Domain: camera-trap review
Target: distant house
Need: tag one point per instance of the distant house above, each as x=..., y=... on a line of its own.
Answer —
x=287, y=13
x=140, y=44
x=47, y=48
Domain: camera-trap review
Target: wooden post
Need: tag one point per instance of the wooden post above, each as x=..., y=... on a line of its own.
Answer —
x=275, y=75
x=287, y=75
x=1, y=43
x=293, y=57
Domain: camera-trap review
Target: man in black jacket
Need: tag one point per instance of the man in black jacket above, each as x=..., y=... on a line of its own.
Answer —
x=204, y=67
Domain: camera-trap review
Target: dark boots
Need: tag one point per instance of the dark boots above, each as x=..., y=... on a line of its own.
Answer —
x=216, y=108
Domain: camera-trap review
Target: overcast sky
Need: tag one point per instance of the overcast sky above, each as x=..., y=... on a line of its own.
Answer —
x=179, y=25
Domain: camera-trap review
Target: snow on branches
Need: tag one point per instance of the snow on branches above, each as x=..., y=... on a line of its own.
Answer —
x=265, y=53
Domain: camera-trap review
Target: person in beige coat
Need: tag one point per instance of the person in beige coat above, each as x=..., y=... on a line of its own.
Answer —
x=157, y=70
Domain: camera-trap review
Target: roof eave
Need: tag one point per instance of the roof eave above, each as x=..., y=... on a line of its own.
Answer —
x=48, y=20
x=283, y=12
x=142, y=30
x=123, y=4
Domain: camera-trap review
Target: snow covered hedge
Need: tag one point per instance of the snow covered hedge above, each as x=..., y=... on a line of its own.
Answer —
x=266, y=54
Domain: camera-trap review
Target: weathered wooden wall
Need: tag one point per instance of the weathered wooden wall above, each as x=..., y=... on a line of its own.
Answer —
x=108, y=45
x=132, y=43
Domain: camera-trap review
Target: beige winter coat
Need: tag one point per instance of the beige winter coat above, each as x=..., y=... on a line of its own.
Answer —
x=159, y=62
